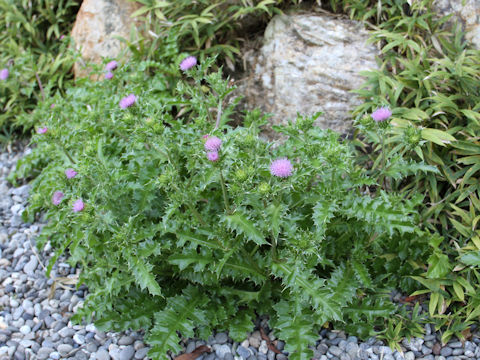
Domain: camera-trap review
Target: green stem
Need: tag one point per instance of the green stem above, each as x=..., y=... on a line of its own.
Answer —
x=206, y=104
x=224, y=191
x=219, y=114
x=254, y=250
x=196, y=214
x=66, y=152
x=384, y=161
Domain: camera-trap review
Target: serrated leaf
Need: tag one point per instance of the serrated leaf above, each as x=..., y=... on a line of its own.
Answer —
x=244, y=226
x=142, y=272
x=182, y=314
x=240, y=325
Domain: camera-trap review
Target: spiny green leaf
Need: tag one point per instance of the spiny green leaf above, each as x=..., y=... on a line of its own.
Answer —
x=244, y=226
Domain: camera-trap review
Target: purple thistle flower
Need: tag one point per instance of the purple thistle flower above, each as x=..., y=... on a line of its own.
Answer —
x=128, y=101
x=70, y=173
x=62, y=37
x=381, y=114
x=108, y=75
x=42, y=130
x=4, y=74
x=188, y=63
x=57, y=197
x=281, y=168
x=52, y=106
x=78, y=205
x=213, y=143
x=112, y=65
x=212, y=156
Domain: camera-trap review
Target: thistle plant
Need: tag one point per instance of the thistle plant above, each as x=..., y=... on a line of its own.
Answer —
x=183, y=224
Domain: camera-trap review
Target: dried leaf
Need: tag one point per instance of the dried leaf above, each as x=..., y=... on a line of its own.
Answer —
x=195, y=353
x=270, y=345
x=467, y=334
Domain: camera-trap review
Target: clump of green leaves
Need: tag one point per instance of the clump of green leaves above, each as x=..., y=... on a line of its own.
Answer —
x=430, y=78
x=206, y=27
x=38, y=60
x=169, y=241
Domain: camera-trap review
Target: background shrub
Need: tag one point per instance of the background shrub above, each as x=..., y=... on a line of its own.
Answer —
x=430, y=78
x=36, y=57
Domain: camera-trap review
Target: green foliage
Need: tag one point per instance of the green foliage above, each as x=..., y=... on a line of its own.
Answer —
x=171, y=242
x=206, y=27
x=429, y=78
x=38, y=60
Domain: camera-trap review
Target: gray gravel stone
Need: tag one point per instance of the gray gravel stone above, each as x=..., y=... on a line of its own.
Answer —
x=142, y=353
x=221, y=338
x=222, y=350
x=126, y=340
x=335, y=351
x=44, y=353
x=127, y=353
x=243, y=352
x=446, y=351
x=64, y=349
x=66, y=332
x=102, y=354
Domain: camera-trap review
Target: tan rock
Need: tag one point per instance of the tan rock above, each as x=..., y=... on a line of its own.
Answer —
x=309, y=63
x=97, y=24
x=466, y=12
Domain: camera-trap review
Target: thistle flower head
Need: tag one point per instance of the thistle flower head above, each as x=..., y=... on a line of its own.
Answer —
x=381, y=114
x=78, y=205
x=213, y=143
x=188, y=63
x=57, y=197
x=42, y=130
x=281, y=168
x=4, y=74
x=70, y=173
x=212, y=156
x=112, y=65
x=108, y=75
x=127, y=101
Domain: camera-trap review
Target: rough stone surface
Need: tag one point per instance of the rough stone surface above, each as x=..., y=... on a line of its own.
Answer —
x=97, y=24
x=466, y=12
x=309, y=63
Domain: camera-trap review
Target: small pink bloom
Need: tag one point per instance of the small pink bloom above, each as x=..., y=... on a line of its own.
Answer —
x=109, y=75
x=4, y=74
x=188, y=63
x=78, y=205
x=213, y=143
x=281, y=168
x=128, y=101
x=70, y=173
x=42, y=130
x=52, y=106
x=112, y=65
x=57, y=197
x=381, y=114
x=212, y=156
x=62, y=37
x=205, y=136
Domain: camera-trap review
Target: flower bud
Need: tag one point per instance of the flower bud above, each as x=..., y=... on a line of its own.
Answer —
x=264, y=188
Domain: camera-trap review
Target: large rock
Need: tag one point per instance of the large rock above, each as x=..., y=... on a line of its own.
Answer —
x=309, y=63
x=466, y=12
x=98, y=22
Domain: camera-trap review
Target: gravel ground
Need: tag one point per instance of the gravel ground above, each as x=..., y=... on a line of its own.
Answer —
x=35, y=311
